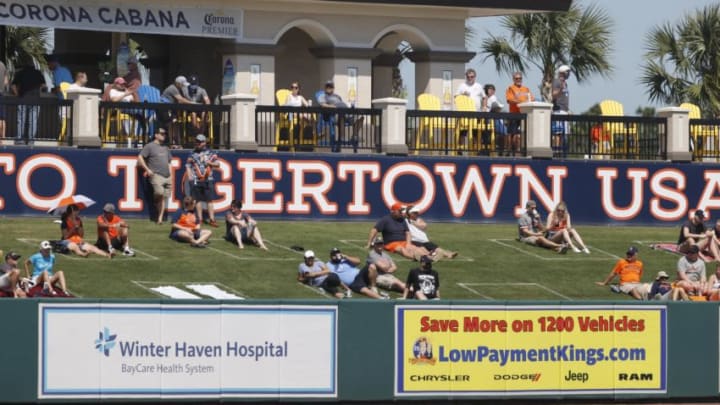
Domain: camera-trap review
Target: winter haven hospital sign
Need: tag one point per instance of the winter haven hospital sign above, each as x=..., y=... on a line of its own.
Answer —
x=186, y=351
x=125, y=17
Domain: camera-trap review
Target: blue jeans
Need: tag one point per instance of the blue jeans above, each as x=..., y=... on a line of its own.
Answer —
x=27, y=121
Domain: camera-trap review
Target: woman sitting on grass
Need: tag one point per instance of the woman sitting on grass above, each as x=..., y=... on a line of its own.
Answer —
x=186, y=228
x=241, y=227
x=559, y=229
x=73, y=233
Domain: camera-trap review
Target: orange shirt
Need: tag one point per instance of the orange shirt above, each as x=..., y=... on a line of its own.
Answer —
x=187, y=220
x=630, y=272
x=112, y=231
x=73, y=225
x=516, y=95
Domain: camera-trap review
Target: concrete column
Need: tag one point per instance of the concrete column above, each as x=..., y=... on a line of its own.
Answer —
x=336, y=64
x=242, y=122
x=537, y=128
x=430, y=67
x=85, y=117
x=393, y=125
x=678, y=133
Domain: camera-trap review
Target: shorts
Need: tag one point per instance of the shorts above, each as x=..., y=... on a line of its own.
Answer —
x=331, y=283
x=175, y=235
x=394, y=246
x=530, y=240
x=115, y=242
x=65, y=243
x=362, y=280
x=5, y=282
x=203, y=191
x=429, y=246
x=243, y=235
x=627, y=288
x=386, y=281
x=514, y=127
x=161, y=185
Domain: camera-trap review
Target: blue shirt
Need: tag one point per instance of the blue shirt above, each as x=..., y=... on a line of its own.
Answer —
x=41, y=263
x=346, y=271
x=61, y=74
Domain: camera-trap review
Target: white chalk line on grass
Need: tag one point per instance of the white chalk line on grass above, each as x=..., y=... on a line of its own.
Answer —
x=267, y=259
x=72, y=256
x=316, y=290
x=468, y=286
x=569, y=256
x=476, y=292
x=146, y=285
x=360, y=244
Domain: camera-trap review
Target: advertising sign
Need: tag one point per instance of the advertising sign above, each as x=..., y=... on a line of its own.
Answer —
x=124, y=17
x=186, y=351
x=524, y=350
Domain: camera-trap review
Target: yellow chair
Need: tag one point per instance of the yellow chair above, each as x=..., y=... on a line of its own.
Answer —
x=472, y=126
x=428, y=125
x=704, y=136
x=124, y=126
x=612, y=108
x=63, y=112
x=283, y=123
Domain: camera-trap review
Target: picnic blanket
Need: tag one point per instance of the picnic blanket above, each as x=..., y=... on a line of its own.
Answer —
x=672, y=248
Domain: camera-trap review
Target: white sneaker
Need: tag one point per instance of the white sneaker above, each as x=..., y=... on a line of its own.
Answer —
x=111, y=251
x=576, y=250
x=128, y=252
x=348, y=294
x=384, y=295
x=586, y=251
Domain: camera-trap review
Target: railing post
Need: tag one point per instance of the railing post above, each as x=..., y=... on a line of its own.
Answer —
x=394, y=125
x=537, y=128
x=85, y=117
x=242, y=121
x=678, y=133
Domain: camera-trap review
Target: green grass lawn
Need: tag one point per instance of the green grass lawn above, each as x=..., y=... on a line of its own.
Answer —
x=492, y=265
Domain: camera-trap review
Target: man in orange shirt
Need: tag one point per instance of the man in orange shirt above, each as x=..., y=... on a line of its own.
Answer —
x=630, y=271
x=515, y=94
x=112, y=232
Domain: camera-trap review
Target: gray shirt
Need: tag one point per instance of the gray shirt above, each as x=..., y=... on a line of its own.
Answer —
x=332, y=99
x=562, y=101
x=373, y=257
x=525, y=221
x=171, y=91
x=694, y=271
x=316, y=267
x=157, y=158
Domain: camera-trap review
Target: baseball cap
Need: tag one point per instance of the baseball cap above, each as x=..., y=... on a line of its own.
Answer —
x=661, y=274
x=564, y=68
x=44, y=245
x=378, y=241
x=329, y=83
x=181, y=80
x=694, y=249
x=109, y=207
x=396, y=207
x=530, y=203
x=194, y=80
x=632, y=250
x=414, y=209
x=426, y=259
x=700, y=213
x=12, y=255
x=309, y=254
x=119, y=80
x=200, y=138
x=334, y=251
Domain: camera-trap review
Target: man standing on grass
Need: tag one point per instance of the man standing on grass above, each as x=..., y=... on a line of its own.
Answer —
x=630, y=271
x=531, y=230
x=156, y=160
x=199, y=173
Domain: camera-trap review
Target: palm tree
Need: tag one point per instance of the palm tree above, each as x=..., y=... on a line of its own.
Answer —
x=682, y=61
x=24, y=46
x=579, y=38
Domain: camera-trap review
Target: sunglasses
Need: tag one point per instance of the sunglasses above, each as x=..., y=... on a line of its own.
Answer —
x=294, y=87
x=517, y=78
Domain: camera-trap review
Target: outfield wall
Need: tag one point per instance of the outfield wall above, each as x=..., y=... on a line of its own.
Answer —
x=87, y=350
x=361, y=187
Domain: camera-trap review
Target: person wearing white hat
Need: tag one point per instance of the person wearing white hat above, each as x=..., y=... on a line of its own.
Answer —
x=663, y=290
x=43, y=271
x=176, y=93
x=419, y=237
x=314, y=273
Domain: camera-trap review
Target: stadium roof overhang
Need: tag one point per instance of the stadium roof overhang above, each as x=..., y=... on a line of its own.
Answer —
x=479, y=8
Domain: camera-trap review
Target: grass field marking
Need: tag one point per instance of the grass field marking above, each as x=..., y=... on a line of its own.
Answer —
x=570, y=256
x=144, y=285
x=614, y=256
x=269, y=242
x=316, y=290
x=468, y=286
x=474, y=291
x=360, y=244
x=35, y=242
x=268, y=259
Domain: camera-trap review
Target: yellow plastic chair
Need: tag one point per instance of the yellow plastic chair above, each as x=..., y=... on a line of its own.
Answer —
x=63, y=112
x=283, y=122
x=704, y=136
x=612, y=108
x=468, y=125
x=424, y=137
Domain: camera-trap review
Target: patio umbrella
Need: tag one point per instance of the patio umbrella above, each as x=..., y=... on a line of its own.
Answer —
x=80, y=200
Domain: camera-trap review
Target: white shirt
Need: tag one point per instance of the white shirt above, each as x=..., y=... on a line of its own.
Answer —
x=417, y=234
x=295, y=101
x=117, y=93
x=475, y=91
